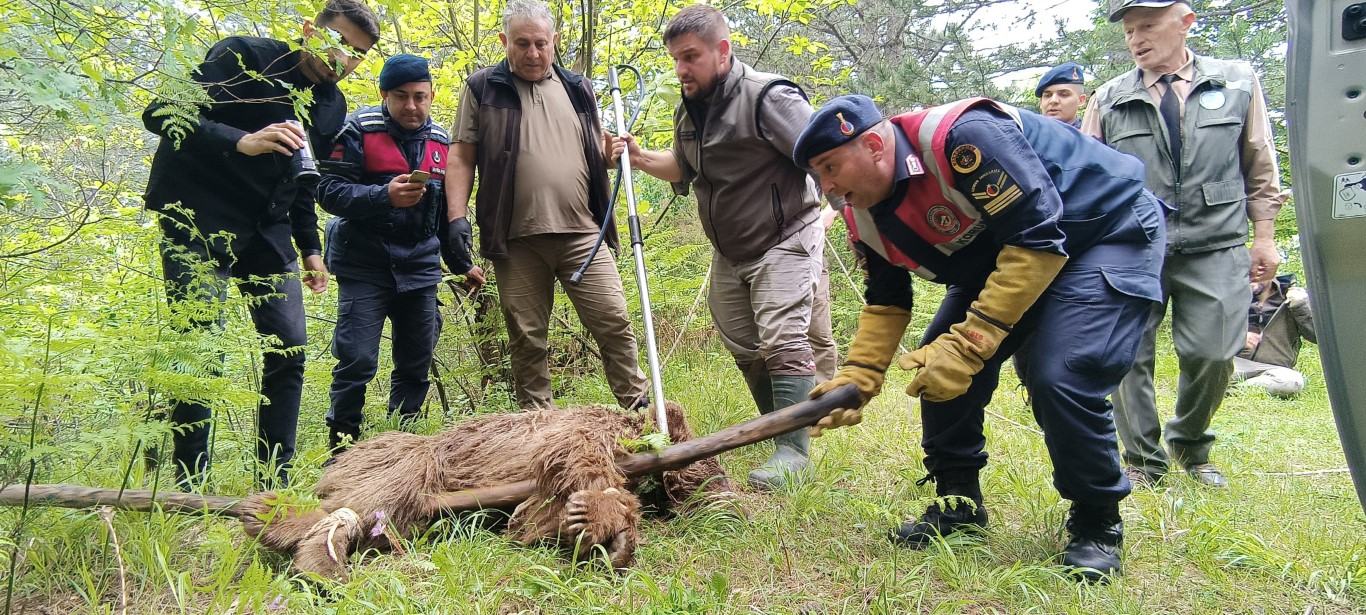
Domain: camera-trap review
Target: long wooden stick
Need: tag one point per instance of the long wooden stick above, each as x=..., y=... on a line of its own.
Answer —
x=78, y=496
x=792, y=418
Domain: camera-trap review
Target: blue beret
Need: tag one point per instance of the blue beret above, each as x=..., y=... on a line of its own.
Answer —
x=1067, y=72
x=836, y=123
x=403, y=68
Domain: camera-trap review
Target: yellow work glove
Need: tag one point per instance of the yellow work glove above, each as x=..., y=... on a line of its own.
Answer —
x=948, y=363
x=879, y=333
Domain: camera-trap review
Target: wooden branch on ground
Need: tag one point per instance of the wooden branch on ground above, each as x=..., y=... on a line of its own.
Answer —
x=766, y=427
x=792, y=418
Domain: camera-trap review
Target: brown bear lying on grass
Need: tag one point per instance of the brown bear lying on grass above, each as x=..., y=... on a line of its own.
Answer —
x=582, y=499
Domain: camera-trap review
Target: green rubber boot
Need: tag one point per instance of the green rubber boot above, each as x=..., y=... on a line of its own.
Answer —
x=784, y=468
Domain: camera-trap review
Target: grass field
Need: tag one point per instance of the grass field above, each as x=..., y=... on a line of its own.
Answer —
x=1285, y=538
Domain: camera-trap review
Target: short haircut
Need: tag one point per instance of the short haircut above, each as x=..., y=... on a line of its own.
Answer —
x=355, y=11
x=527, y=9
x=704, y=21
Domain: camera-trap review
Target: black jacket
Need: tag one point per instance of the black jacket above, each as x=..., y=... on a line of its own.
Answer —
x=253, y=197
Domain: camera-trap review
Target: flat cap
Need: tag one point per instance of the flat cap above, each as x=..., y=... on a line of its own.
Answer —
x=403, y=68
x=1119, y=7
x=1067, y=72
x=836, y=123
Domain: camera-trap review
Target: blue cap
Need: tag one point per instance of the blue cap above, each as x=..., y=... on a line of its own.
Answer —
x=836, y=123
x=1067, y=72
x=403, y=68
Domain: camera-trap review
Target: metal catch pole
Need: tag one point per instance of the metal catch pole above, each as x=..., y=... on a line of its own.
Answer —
x=638, y=253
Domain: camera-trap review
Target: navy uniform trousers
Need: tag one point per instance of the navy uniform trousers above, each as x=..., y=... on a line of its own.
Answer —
x=1072, y=347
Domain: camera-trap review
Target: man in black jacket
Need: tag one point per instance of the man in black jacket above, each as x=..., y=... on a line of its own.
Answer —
x=383, y=245
x=238, y=203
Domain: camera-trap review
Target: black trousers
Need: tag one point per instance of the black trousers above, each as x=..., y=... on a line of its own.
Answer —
x=1071, y=349
x=362, y=308
x=194, y=275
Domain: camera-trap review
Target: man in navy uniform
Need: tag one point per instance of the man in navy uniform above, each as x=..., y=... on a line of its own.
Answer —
x=1050, y=247
x=1062, y=92
x=383, y=245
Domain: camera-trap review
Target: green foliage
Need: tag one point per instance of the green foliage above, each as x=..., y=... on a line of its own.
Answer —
x=652, y=442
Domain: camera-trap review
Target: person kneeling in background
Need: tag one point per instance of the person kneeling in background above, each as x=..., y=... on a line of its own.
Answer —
x=1278, y=319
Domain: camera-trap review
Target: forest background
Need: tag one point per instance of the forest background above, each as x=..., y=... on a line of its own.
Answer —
x=88, y=356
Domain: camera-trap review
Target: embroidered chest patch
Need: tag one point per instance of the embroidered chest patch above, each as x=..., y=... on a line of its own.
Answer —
x=994, y=190
x=942, y=220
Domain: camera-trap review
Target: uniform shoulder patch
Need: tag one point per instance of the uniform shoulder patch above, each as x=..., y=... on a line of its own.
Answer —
x=993, y=189
x=965, y=158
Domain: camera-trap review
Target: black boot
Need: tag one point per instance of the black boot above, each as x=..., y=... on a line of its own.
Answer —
x=338, y=440
x=1097, y=536
x=962, y=510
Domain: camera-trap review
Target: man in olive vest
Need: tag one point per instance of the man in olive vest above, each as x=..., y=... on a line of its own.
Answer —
x=733, y=138
x=1200, y=127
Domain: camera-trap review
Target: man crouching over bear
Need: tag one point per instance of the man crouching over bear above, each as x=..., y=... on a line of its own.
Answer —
x=582, y=498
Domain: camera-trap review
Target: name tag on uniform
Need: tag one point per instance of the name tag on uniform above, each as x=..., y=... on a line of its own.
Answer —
x=913, y=165
x=688, y=135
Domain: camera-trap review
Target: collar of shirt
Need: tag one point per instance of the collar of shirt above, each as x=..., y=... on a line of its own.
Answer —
x=901, y=173
x=1185, y=73
x=552, y=76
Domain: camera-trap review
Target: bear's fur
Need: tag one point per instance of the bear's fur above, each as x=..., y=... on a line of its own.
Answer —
x=582, y=499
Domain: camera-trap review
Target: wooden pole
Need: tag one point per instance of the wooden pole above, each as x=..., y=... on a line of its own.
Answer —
x=77, y=496
x=792, y=418
x=768, y=426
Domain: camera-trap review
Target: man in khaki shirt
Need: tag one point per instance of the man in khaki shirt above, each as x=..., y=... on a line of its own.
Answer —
x=1200, y=126
x=538, y=123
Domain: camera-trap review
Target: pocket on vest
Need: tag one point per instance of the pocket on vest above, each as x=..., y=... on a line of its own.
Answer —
x=1224, y=192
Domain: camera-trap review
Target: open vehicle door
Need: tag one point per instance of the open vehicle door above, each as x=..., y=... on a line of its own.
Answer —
x=1326, y=107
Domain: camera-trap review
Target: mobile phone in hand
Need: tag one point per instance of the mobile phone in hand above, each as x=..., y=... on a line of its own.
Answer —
x=419, y=177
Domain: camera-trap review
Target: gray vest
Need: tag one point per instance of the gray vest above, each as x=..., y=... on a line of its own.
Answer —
x=1209, y=195
x=750, y=195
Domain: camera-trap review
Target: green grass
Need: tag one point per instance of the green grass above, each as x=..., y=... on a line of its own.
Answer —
x=1285, y=538
x=1273, y=543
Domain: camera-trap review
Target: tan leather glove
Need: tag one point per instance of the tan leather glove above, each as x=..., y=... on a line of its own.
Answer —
x=947, y=364
x=880, y=328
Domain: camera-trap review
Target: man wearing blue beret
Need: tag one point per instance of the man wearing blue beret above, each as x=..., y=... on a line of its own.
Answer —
x=1062, y=92
x=383, y=244
x=1050, y=247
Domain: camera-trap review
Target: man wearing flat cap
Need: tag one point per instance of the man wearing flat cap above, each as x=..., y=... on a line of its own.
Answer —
x=1050, y=247
x=383, y=244
x=1200, y=127
x=1062, y=92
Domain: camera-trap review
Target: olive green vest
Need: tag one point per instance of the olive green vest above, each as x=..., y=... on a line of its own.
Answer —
x=750, y=195
x=1209, y=193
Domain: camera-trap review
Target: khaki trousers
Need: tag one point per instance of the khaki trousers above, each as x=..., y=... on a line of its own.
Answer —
x=526, y=292
x=762, y=307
